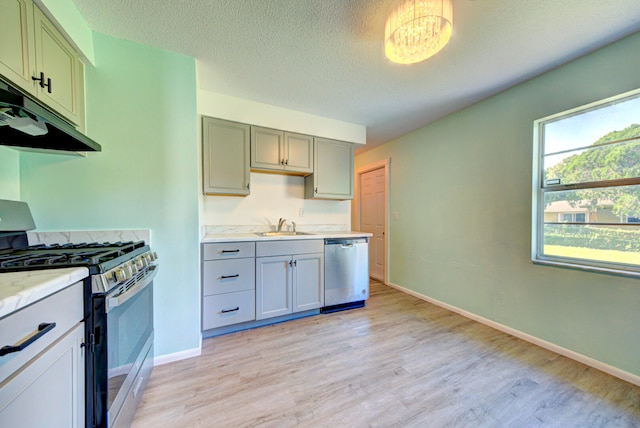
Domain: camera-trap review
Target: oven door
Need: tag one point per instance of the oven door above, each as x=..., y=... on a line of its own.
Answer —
x=123, y=351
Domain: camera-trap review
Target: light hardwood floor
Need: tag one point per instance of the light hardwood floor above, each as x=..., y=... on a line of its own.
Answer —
x=399, y=362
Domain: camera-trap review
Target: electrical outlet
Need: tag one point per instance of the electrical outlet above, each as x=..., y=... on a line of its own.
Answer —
x=301, y=212
x=395, y=215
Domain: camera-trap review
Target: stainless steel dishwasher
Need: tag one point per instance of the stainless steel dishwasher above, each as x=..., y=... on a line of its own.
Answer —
x=346, y=273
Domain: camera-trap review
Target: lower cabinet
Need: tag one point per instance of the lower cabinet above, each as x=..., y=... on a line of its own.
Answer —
x=251, y=281
x=49, y=391
x=289, y=283
x=228, y=284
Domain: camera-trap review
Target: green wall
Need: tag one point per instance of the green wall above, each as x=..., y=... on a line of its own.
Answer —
x=141, y=107
x=9, y=173
x=462, y=188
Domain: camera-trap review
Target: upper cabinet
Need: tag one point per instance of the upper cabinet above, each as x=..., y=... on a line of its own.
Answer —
x=279, y=151
x=59, y=66
x=332, y=176
x=16, y=50
x=232, y=150
x=37, y=59
x=225, y=155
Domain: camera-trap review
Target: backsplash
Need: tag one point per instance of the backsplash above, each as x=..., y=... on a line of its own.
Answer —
x=88, y=236
x=226, y=229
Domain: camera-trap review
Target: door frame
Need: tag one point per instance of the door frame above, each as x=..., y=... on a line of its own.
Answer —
x=357, y=209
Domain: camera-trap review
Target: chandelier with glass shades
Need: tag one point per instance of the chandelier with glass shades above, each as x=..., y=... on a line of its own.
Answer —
x=417, y=29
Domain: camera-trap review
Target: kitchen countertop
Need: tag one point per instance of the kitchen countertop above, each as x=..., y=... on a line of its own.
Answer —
x=19, y=289
x=238, y=237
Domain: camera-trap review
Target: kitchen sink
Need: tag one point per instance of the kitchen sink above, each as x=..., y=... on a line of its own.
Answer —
x=283, y=233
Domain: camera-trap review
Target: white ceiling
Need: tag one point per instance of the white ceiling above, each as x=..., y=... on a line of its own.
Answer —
x=325, y=57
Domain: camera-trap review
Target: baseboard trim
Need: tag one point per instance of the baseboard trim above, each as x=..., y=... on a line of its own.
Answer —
x=177, y=356
x=599, y=365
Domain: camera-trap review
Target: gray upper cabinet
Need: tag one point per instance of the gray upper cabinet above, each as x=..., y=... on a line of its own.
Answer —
x=333, y=171
x=60, y=66
x=36, y=58
x=299, y=152
x=273, y=150
x=225, y=157
x=16, y=50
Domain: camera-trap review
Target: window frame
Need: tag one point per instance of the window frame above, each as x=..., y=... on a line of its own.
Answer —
x=539, y=189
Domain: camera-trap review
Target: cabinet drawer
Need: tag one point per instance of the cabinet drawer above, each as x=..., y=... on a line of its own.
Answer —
x=286, y=247
x=227, y=276
x=228, y=250
x=64, y=308
x=226, y=309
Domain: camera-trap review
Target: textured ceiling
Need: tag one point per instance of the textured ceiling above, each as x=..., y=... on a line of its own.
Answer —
x=326, y=57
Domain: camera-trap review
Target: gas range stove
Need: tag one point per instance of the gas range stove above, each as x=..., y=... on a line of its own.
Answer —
x=118, y=304
x=109, y=263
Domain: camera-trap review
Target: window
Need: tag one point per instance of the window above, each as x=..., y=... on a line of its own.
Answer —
x=573, y=217
x=586, y=187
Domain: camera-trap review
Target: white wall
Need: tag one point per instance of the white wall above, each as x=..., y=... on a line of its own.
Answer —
x=254, y=113
x=274, y=196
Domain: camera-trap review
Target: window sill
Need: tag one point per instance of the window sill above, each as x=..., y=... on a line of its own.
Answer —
x=588, y=268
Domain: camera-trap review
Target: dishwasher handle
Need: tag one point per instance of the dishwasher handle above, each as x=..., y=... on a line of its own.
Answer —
x=346, y=242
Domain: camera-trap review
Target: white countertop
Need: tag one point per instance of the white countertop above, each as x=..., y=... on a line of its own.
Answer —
x=238, y=237
x=19, y=289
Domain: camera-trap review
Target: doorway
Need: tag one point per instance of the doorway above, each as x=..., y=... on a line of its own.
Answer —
x=371, y=214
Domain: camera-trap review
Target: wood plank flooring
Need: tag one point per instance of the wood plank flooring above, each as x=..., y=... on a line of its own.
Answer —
x=398, y=362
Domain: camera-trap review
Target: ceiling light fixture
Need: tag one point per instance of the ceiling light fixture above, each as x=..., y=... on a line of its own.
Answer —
x=417, y=29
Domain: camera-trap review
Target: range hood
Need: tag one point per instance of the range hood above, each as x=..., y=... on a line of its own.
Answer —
x=25, y=123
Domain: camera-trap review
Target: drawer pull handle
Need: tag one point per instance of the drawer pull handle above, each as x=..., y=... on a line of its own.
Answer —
x=226, y=311
x=43, y=329
x=229, y=276
x=230, y=251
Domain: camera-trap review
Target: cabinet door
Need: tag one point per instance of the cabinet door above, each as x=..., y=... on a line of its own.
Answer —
x=225, y=157
x=308, y=282
x=267, y=149
x=49, y=391
x=273, y=286
x=57, y=60
x=16, y=48
x=332, y=176
x=298, y=152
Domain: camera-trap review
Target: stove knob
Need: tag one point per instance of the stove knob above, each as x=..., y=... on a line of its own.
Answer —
x=148, y=258
x=140, y=263
x=119, y=275
x=133, y=267
x=128, y=273
x=155, y=256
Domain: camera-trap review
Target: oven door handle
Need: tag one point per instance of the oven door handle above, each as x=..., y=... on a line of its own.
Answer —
x=114, y=302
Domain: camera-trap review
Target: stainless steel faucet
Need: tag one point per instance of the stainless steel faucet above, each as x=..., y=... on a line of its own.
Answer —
x=280, y=223
x=293, y=223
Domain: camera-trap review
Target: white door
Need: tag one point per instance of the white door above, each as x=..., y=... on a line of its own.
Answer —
x=372, y=219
